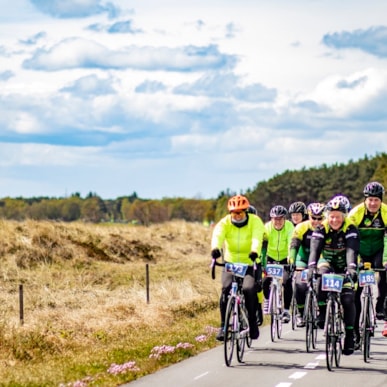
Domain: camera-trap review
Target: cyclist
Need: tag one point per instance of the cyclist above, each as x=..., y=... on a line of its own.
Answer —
x=298, y=212
x=252, y=210
x=299, y=253
x=371, y=219
x=334, y=247
x=240, y=234
x=275, y=249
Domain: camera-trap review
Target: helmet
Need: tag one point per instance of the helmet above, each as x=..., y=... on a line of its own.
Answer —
x=278, y=211
x=238, y=203
x=316, y=209
x=344, y=199
x=252, y=210
x=335, y=204
x=297, y=207
x=374, y=189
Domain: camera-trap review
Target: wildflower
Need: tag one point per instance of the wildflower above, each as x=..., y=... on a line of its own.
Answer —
x=157, y=351
x=116, y=369
x=184, y=345
x=201, y=338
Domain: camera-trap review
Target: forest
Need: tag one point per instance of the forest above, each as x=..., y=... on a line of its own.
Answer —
x=307, y=185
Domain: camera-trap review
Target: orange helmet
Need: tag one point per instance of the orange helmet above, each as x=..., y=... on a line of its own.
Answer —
x=238, y=203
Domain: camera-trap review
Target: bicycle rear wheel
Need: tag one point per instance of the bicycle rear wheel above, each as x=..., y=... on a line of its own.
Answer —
x=293, y=312
x=279, y=314
x=229, y=331
x=330, y=338
x=242, y=334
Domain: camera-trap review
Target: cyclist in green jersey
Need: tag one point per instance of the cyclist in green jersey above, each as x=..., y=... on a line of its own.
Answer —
x=371, y=219
x=334, y=247
x=275, y=249
x=240, y=235
x=299, y=253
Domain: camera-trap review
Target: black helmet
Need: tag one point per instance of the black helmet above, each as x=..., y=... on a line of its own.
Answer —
x=252, y=210
x=297, y=208
x=374, y=189
x=335, y=204
x=278, y=211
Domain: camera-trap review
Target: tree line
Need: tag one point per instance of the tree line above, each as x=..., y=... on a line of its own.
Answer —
x=307, y=185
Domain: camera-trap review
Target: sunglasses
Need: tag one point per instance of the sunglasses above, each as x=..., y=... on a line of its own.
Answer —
x=237, y=212
x=316, y=218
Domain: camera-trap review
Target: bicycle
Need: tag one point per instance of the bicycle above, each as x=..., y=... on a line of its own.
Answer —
x=294, y=311
x=276, y=272
x=367, y=321
x=334, y=323
x=236, y=327
x=310, y=310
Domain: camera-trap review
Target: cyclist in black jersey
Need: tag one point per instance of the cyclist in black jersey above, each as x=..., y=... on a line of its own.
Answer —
x=334, y=247
x=371, y=219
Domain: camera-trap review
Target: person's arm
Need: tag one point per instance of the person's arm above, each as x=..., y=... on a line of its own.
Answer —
x=353, y=245
x=316, y=246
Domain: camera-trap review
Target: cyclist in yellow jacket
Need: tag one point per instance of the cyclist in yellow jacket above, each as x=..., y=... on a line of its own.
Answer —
x=276, y=242
x=371, y=219
x=240, y=235
x=299, y=253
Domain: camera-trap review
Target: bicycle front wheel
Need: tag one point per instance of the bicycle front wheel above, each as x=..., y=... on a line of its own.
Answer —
x=309, y=323
x=273, y=312
x=366, y=339
x=229, y=331
x=330, y=337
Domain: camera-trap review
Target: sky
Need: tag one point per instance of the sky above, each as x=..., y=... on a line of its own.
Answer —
x=170, y=98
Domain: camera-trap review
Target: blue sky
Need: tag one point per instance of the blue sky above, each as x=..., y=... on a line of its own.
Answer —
x=185, y=98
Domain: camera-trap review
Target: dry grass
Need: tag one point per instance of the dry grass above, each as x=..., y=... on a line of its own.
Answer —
x=85, y=303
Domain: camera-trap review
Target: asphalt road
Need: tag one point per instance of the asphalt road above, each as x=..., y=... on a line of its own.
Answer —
x=283, y=363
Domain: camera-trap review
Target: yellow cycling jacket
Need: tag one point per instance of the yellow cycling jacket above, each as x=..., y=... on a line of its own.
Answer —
x=238, y=242
x=277, y=242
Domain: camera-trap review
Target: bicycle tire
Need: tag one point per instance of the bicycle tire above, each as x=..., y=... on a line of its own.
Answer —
x=366, y=339
x=308, y=316
x=279, y=314
x=243, y=325
x=314, y=320
x=339, y=334
x=229, y=331
x=330, y=338
x=293, y=312
x=273, y=312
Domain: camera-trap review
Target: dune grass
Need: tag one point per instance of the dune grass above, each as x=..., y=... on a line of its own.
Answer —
x=87, y=321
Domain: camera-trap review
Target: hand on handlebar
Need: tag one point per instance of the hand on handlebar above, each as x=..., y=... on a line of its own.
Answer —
x=253, y=256
x=353, y=274
x=215, y=253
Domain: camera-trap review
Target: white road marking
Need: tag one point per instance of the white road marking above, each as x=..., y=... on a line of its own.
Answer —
x=201, y=375
x=297, y=375
x=312, y=365
x=283, y=385
x=320, y=357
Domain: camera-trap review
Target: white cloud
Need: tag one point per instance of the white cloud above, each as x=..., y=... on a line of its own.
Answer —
x=174, y=98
